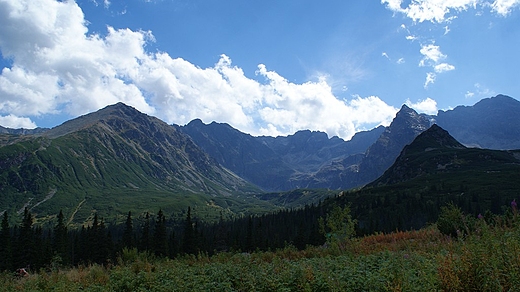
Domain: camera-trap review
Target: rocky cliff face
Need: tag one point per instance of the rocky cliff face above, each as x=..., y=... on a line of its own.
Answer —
x=406, y=125
x=276, y=163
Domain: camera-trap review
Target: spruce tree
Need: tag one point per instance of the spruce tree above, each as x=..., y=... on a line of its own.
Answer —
x=249, y=235
x=173, y=247
x=5, y=244
x=189, y=242
x=24, y=247
x=160, y=235
x=145, y=236
x=128, y=232
x=99, y=241
x=60, y=240
x=221, y=236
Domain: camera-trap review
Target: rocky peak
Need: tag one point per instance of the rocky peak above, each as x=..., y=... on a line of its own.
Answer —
x=435, y=138
x=406, y=125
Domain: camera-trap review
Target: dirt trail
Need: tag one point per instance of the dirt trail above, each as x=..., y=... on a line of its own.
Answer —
x=75, y=211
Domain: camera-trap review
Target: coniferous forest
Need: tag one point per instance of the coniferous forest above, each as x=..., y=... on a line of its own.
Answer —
x=28, y=245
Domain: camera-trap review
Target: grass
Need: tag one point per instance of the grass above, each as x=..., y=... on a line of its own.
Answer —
x=488, y=259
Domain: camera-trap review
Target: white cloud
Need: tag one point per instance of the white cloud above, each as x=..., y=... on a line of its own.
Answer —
x=443, y=67
x=14, y=122
x=58, y=66
x=504, y=7
x=432, y=55
x=443, y=10
x=430, y=79
x=429, y=10
x=427, y=106
x=290, y=107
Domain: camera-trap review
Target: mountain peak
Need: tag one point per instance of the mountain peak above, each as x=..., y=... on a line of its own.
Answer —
x=119, y=110
x=413, y=160
x=434, y=138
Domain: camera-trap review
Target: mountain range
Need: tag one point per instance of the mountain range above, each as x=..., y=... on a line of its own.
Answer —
x=312, y=160
x=113, y=161
x=117, y=160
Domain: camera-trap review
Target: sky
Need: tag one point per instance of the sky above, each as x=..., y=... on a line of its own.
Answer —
x=265, y=67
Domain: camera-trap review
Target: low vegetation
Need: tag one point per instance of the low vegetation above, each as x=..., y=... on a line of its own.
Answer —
x=483, y=254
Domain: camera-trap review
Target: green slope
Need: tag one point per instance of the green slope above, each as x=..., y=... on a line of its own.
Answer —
x=114, y=161
x=430, y=172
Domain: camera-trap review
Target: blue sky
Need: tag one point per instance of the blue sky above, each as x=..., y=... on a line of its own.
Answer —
x=264, y=67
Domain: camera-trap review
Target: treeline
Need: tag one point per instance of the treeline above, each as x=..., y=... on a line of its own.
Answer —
x=29, y=246
x=383, y=209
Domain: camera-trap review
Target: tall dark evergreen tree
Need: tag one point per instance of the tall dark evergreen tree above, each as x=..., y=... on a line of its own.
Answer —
x=5, y=244
x=60, y=239
x=189, y=242
x=99, y=240
x=128, y=232
x=105, y=243
x=25, y=244
x=220, y=241
x=145, y=235
x=249, y=235
x=173, y=246
x=160, y=235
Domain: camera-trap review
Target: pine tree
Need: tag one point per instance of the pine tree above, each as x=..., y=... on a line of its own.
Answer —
x=60, y=240
x=128, y=232
x=189, y=243
x=249, y=235
x=105, y=243
x=145, y=236
x=5, y=244
x=24, y=248
x=160, y=235
x=221, y=236
x=99, y=241
x=173, y=247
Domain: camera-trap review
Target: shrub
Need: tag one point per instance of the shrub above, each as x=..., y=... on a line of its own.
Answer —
x=339, y=226
x=452, y=221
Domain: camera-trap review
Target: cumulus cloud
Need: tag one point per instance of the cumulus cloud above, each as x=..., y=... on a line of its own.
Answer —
x=427, y=106
x=443, y=67
x=504, y=7
x=58, y=67
x=433, y=57
x=430, y=79
x=14, y=122
x=445, y=10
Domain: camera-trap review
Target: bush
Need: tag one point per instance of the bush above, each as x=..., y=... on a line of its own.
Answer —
x=452, y=221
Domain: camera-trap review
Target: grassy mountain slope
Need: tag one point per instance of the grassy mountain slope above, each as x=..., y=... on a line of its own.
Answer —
x=114, y=161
